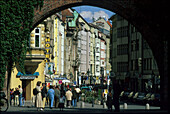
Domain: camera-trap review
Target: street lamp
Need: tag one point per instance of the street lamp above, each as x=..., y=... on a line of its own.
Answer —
x=78, y=78
x=88, y=75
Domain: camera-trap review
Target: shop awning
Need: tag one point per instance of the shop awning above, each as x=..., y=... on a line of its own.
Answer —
x=27, y=76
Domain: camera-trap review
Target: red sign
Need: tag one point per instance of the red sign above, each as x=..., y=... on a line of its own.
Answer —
x=60, y=81
x=48, y=84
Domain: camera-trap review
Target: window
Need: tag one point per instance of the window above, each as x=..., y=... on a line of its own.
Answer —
x=37, y=40
x=37, y=30
x=97, y=68
x=136, y=64
x=122, y=49
x=122, y=32
x=102, y=62
x=37, y=37
x=122, y=66
x=137, y=45
x=101, y=24
x=147, y=62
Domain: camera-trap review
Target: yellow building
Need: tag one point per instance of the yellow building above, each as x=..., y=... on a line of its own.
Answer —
x=59, y=45
x=34, y=64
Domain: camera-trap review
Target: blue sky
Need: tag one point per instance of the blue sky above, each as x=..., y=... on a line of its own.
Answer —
x=88, y=12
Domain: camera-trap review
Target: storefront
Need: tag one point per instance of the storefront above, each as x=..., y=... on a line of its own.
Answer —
x=26, y=80
x=34, y=73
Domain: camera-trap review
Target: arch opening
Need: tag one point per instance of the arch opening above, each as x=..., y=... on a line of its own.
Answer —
x=128, y=13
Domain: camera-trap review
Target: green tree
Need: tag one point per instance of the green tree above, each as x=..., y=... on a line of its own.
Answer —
x=15, y=25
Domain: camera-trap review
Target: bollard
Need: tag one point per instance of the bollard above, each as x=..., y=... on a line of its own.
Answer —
x=82, y=104
x=125, y=106
x=104, y=105
x=92, y=103
x=147, y=106
x=99, y=102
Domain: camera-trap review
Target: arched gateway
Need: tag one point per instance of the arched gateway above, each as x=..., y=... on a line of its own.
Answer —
x=149, y=16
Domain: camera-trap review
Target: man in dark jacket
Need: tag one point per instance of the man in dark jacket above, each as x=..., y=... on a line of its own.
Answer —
x=74, y=97
x=116, y=94
x=44, y=94
x=16, y=97
x=56, y=96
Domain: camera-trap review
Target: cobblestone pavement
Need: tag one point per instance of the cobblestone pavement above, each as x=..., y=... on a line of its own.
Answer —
x=29, y=108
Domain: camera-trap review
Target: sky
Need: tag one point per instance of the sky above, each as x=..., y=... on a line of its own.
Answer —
x=88, y=12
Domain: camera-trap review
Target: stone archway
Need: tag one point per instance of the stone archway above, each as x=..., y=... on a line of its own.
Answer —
x=148, y=16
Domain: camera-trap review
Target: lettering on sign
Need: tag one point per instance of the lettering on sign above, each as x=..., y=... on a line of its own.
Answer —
x=47, y=49
x=27, y=77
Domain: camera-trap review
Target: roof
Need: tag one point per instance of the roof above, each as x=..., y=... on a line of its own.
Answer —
x=66, y=13
x=109, y=24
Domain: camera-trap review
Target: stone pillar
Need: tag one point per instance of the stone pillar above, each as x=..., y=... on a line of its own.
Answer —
x=164, y=78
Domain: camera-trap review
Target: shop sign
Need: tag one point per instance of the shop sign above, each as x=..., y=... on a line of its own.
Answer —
x=27, y=77
x=47, y=49
x=60, y=81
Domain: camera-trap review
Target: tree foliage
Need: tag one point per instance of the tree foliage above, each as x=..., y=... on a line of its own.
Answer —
x=16, y=17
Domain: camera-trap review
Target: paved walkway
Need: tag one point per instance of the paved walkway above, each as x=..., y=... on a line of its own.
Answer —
x=29, y=108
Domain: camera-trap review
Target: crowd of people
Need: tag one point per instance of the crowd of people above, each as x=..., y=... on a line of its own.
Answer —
x=56, y=96
x=17, y=96
x=61, y=96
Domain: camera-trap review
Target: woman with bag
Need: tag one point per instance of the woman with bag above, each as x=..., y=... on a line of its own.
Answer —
x=39, y=103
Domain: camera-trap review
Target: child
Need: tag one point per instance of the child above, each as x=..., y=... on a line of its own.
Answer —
x=61, y=102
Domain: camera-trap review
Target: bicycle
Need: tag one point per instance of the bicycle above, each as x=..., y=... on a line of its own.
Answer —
x=3, y=102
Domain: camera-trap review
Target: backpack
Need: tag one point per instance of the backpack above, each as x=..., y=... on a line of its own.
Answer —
x=35, y=92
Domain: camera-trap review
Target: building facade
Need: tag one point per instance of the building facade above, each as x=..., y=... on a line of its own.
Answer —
x=132, y=60
x=63, y=45
x=34, y=64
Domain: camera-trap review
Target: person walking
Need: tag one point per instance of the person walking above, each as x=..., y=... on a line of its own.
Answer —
x=69, y=97
x=44, y=94
x=62, y=90
x=20, y=95
x=116, y=94
x=51, y=94
x=23, y=99
x=78, y=91
x=16, y=96
x=74, y=97
x=109, y=101
x=56, y=96
x=11, y=96
x=39, y=103
x=61, y=102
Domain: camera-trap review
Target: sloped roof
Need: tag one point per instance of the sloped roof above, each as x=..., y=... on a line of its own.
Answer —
x=109, y=24
x=66, y=13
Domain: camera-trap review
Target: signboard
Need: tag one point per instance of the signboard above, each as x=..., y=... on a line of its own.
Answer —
x=49, y=68
x=47, y=49
x=48, y=85
x=27, y=77
x=60, y=81
x=80, y=80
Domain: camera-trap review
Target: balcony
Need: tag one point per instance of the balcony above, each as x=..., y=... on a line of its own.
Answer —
x=35, y=56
